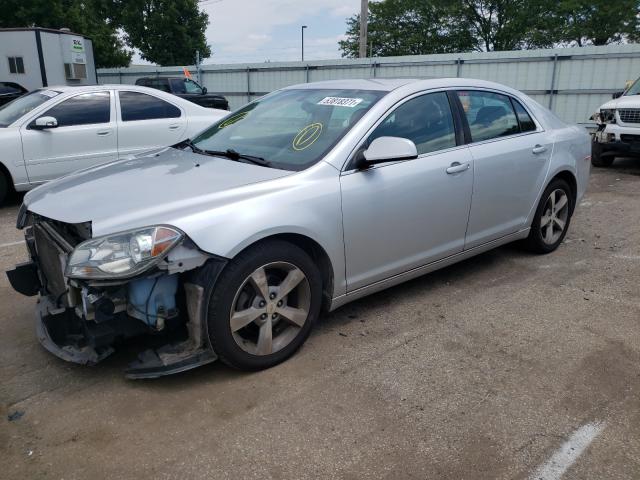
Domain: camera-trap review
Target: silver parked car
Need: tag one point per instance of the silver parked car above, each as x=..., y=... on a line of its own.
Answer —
x=230, y=245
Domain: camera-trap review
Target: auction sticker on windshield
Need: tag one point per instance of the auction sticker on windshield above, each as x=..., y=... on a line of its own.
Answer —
x=340, y=101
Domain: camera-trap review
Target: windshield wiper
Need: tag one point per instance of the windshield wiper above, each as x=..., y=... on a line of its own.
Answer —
x=233, y=155
x=229, y=153
x=188, y=143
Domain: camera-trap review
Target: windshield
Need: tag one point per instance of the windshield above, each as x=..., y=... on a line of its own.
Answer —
x=12, y=111
x=634, y=89
x=291, y=129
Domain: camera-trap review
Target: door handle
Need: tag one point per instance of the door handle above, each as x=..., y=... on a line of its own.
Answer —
x=457, y=167
x=174, y=126
x=539, y=149
x=104, y=133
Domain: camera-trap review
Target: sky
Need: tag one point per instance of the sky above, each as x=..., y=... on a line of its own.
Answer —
x=242, y=31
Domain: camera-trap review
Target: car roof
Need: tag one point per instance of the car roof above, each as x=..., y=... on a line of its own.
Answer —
x=93, y=88
x=390, y=84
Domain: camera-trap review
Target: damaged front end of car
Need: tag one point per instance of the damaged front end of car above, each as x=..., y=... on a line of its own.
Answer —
x=96, y=292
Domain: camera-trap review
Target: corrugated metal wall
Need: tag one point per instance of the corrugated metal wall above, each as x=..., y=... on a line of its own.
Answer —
x=574, y=82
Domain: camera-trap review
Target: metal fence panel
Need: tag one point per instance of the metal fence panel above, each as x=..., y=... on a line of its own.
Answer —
x=573, y=82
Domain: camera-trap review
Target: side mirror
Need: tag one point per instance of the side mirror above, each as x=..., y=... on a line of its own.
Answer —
x=204, y=90
x=616, y=95
x=43, y=123
x=387, y=149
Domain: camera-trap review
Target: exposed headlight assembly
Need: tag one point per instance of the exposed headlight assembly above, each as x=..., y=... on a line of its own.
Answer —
x=608, y=115
x=122, y=255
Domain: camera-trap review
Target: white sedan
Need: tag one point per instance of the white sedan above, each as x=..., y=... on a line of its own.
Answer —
x=53, y=131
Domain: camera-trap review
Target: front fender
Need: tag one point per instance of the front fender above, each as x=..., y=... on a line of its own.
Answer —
x=307, y=205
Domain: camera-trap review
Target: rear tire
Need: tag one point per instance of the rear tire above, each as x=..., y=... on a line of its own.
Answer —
x=597, y=160
x=552, y=218
x=263, y=305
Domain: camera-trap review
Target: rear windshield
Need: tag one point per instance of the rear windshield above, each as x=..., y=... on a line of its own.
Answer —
x=12, y=111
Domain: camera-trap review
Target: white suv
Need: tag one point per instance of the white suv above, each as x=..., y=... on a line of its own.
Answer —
x=618, y=131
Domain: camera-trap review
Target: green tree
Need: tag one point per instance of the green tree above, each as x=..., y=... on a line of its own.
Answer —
x=166, y=32
x=408, y=27
x=508, y=24
x=92, y=18
x=598, y=22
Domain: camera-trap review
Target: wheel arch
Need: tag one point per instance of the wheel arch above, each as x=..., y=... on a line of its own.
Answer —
x=570, y=178
x=317, y=253
x=5, y=171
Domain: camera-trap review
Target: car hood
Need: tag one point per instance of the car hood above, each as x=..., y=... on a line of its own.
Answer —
x=630, y=101
x=157, y=187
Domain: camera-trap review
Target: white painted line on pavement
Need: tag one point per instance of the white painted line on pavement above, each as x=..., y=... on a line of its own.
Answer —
x=568, y=453
x=11, y=244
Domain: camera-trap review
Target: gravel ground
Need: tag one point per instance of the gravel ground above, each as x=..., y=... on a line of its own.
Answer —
x=479, y=371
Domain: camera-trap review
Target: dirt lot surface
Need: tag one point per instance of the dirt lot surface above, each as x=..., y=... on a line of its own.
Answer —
x=483, y=370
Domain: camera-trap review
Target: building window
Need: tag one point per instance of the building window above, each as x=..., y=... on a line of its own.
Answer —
x=16, y=65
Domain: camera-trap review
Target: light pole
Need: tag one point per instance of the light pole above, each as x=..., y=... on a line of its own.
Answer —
x=302, y=40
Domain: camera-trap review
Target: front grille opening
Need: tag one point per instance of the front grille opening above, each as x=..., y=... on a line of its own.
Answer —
x=629, y=115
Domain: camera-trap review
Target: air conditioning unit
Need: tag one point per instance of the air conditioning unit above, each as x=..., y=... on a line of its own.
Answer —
x=75, y=71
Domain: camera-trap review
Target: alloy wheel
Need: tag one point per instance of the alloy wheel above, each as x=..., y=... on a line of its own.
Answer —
x=270, y=308
x=554, y=218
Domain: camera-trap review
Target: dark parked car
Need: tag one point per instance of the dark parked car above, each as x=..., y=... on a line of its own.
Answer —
x=10, y=91
x=187, y=89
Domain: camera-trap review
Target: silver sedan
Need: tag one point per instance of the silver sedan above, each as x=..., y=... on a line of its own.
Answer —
x=232, y=243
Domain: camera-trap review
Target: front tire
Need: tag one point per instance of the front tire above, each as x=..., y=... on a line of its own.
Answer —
x=552, y=218
x=263, y=306
x=597, y=160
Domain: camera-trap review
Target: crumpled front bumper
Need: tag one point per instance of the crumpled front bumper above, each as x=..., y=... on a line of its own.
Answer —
x=46, y=313
x=83, y=322
x=616, y=140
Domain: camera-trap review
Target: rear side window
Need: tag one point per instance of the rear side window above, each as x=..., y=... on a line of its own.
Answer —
x=160, y=84
x=85, y=109
x=178, y=85
x=425, y=120
x=140, y=106
x=526, y=122
x=490, y=115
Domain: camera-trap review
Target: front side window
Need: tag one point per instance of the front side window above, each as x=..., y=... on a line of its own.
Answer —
x=192, y=87
x=292, y=129
x=84, y=109
x=16, y=65
x=12, y=111
x=140, y=106
x=425, y=120
x=490, y=115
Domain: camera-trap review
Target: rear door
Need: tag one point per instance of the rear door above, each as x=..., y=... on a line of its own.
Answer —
x=146, y=122
x=511, y=155
x=85, y=136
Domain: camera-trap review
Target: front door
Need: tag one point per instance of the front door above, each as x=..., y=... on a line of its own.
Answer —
x=86, y=135
x=402, y=215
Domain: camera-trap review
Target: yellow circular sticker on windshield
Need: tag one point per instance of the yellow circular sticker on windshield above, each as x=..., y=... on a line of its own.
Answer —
x=307, y=136
x=233, y=119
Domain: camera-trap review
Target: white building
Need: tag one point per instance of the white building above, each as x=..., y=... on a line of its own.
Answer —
x=42, y=57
